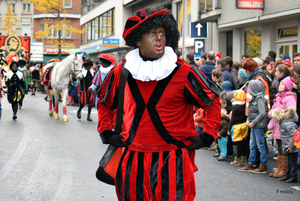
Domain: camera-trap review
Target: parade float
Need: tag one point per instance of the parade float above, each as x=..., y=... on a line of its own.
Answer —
x=13, y=47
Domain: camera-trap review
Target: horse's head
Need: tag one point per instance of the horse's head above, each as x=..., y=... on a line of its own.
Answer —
x=78, y=65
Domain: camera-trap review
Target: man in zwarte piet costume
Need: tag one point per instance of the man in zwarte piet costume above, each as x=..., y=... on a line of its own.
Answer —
x=107, y=63
x=87, y=97
x=158, y=129
x=15, y=87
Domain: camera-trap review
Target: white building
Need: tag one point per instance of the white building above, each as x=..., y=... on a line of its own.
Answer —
x=232, y=31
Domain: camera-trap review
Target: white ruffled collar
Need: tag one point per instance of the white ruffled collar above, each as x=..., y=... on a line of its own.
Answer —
x=22, y=68
x=106, y=70
x=84, y=72
x=150, y=70
x=18, y=73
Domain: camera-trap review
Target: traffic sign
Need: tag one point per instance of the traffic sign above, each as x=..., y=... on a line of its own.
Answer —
x=199, y=29
x=199, y=46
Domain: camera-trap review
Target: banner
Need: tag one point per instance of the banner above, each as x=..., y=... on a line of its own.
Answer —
x=250, y=4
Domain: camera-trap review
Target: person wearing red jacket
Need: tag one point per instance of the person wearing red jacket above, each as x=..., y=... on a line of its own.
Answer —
x=158, y=129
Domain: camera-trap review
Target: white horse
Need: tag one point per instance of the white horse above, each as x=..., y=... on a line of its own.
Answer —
x=60, y=79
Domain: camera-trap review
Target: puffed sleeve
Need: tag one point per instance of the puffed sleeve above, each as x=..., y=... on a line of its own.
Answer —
x=202, y=92
x=107, y=103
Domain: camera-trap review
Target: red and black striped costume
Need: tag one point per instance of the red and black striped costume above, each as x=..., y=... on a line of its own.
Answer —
x=158, y=117
x=85, y=82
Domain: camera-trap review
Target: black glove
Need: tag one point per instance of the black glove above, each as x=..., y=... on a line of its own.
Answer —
x=203, y=140
x=110, y=137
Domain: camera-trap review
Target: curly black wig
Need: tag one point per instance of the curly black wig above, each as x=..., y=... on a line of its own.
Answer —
x=22, y=62
x=12, y=63
x=167, y=21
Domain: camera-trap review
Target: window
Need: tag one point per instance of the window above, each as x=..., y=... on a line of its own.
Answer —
x=13, y=7
x=209, y=5
x=96, y=28
x=89, y=31
x=68, y=4
x=67, y=32
x=288, y=32
x=26, y=8
x=202, y=5
x=179, y=16
x=100, y=27
x=26, y=29
x=105, y=25
x=86, y=33
x=109, y=23
x=53, y=32
x=253, y=43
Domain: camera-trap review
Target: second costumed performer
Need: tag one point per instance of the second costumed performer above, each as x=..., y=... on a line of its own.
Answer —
x=158, y=128
x=86, y=96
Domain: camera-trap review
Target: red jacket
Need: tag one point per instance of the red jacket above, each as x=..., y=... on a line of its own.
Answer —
x=159, y=114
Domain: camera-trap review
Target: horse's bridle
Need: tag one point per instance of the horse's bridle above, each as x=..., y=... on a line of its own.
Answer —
x=75, y=70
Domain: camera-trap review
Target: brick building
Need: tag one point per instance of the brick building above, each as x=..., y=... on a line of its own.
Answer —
x=73, y=14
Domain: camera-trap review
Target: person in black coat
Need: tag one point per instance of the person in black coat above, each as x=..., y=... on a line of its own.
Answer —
x=15, y=87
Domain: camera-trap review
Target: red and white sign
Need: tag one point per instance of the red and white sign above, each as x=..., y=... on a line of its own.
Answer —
x=250, y=4
x=54, y=52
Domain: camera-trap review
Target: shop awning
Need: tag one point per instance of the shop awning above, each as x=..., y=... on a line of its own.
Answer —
x=97, y=49
x=48, y=57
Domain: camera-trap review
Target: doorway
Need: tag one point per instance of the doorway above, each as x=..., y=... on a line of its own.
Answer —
x=287, y=48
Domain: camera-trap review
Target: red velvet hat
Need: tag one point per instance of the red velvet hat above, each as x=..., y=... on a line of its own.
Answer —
x=136, y=20
x=108, y=57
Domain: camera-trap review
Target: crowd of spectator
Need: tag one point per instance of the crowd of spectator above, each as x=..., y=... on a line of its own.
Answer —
x=259, y=99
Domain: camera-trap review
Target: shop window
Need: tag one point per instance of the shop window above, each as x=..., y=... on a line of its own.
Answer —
x=289, y=32
x=26, y=8
x=253, y=43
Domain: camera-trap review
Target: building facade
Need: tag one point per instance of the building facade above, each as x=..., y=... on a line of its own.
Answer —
x=72, y=15
x=231, y=30
x=254, y=32
x=23, y=11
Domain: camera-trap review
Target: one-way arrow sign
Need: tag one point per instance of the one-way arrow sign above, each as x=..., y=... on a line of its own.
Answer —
x=199, y=26
x=198, y=29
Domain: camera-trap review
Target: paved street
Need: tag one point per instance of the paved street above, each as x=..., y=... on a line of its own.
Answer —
x=46, y=159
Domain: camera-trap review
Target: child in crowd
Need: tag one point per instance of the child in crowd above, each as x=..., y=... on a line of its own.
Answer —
x=284, y=99
x=222, y=135
x=238, y=128
x=257, y=120
x=286, y=119
x=72, y=90
x=243, y=78
x=217, y=77
x=198, y=119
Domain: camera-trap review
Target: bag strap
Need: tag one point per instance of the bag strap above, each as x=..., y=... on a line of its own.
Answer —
x=122, y=83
